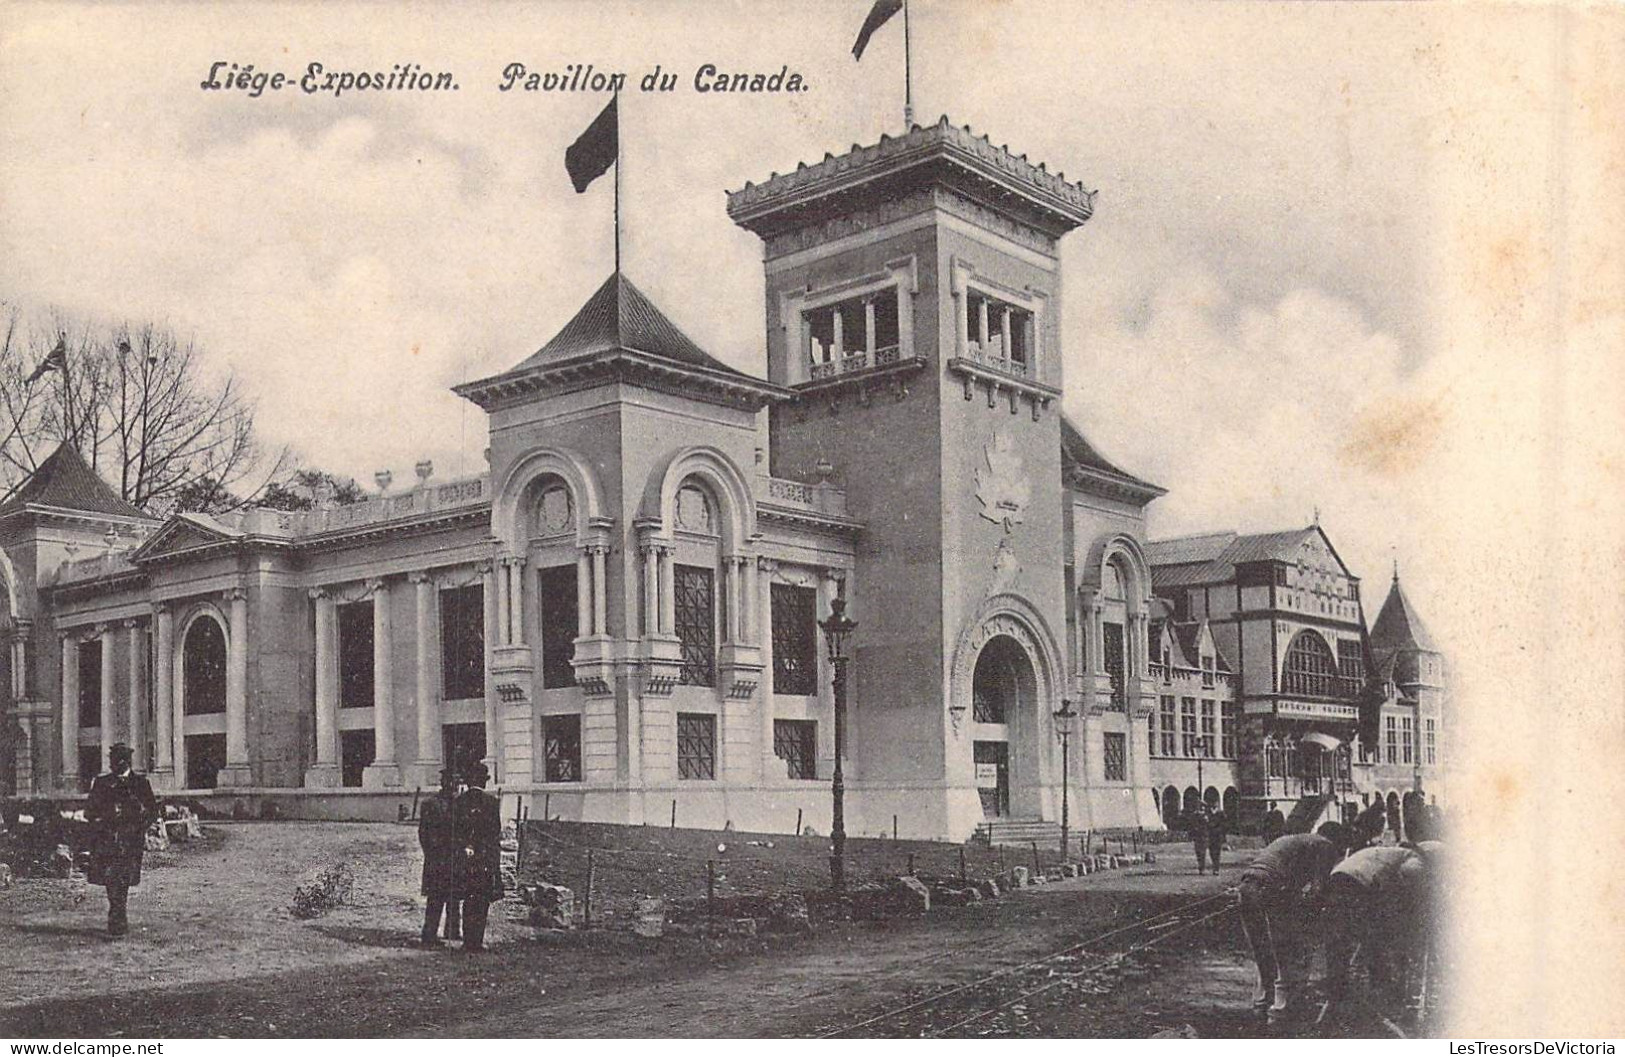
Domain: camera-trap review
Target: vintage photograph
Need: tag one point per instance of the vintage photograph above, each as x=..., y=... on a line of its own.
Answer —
x=867, y=519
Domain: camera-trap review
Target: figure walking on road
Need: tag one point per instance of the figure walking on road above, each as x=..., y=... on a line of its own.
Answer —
x=438, y=839
x=1201, y=821
x=1216, y=830
x=479, y=854
x=121, y=808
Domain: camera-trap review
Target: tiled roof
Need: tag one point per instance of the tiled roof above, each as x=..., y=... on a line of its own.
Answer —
x=1398, y=627
x=65, y=481
x=1212, y=558
x=1077, y=452
x=619, y=316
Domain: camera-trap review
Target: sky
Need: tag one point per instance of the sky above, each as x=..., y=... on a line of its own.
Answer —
x=1356, y=258
x=1247, y=315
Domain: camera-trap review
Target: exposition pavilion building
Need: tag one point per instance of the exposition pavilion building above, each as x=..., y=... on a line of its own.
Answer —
x=620, y=616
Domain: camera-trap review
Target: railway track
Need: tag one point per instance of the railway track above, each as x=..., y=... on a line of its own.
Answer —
x=974, y=1008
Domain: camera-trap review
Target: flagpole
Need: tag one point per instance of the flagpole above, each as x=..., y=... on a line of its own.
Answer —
x=67, y=398
x=908, y=76
x=617, y=181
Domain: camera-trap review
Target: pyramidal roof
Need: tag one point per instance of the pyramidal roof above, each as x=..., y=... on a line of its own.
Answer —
x=621, y=317
x=1398, y=627
x=620, y=333
x=64, y=481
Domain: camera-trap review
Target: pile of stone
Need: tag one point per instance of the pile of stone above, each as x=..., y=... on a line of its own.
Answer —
x=547, y=906
x=322, y=889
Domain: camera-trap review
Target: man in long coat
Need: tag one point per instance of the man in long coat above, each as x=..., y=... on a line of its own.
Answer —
x=438, y=839
x=479, y=854
x=121, y=808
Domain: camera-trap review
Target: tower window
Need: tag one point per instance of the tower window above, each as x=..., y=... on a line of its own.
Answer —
x=1431, y=744
x=1391, y=735
x=852, y=334
x=1210, y=741
x=1168, y=729
x=1187, y=726
x=1406, y=736
x=1227, y=730
x=998, y=333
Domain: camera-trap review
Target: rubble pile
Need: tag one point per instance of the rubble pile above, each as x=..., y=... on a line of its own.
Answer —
x=322, y=889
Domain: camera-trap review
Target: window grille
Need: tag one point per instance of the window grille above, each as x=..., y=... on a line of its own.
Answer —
x=1116, y=757
x=1227, y=730
x=556, y=595
x=1210, y=742
x=355, y=655
x=697, y=624
x=1391, y=730
x=696, y=746
x=1431, y=745
x=795, y=741
x=795, y=639
x=1187, y=726
x=1406, y=737
x=462, y=642
x=561, y=748
x=1311, y=669
x=1350, y=660
x=1112, y=642
x=1168, y=729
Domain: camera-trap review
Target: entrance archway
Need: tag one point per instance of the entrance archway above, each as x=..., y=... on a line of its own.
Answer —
x=1170, y=807
x=1003, y=690
x=203, y=694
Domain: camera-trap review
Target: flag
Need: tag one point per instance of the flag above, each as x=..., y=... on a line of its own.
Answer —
x=595, y=150
x=883, y=10
x=55, y=360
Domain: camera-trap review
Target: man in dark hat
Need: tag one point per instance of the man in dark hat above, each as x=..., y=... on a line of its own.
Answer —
x=439, y=842
x=478, y=830
x=121, y=808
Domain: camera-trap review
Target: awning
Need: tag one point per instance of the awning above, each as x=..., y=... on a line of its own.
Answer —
x=1325, y=741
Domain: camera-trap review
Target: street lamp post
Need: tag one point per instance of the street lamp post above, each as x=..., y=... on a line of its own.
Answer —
x=837, y=628
x=1065, y=717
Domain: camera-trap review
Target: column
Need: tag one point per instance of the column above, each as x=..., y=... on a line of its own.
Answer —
x=108, y=712
x=493, y=731
x=238, y=770
x=138, y=694
x=764, y=584
x=383, y=712
x=838, y=344
x=668, y=592
x=327, y=770
x=70, y=712
x=1009, y=344
x=163, y=741
x=981, y=324
x=428, y=698
x=733, y=564
x=19, y=683
x=516, y=601
x=584, y=592
x=651, y=589
x=497, y=599
x=753, y=606
x=869, y=328
x=600, y=589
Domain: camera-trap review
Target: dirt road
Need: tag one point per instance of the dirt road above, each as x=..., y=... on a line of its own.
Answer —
x=215, y=953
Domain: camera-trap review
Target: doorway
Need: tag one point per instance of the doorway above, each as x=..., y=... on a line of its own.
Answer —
x=993, y=777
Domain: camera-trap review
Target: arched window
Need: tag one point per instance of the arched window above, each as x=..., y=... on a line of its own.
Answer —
x=203, y=668
x=1310, y=667
x=1111, y=582
x=1274, y=761
x=695, y=583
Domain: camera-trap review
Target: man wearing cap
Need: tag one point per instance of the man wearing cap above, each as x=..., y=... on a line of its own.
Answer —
x=478, y=832
x=439, y=843
x=121, y=808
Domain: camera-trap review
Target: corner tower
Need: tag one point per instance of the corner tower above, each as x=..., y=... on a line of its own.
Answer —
x=913, y=308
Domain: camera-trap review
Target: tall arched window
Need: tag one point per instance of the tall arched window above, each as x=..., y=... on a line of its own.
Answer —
x=1310, y=666
x=694, y=583
x=203, y=668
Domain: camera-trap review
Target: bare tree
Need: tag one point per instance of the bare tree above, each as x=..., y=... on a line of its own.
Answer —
x=141, y=406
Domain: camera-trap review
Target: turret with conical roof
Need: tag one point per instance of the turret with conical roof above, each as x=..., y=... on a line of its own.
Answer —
x=1401, y=646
